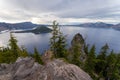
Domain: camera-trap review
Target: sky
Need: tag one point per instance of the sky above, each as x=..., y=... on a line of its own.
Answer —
x=64, y=11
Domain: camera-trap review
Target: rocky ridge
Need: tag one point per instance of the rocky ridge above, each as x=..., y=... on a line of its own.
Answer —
x=28, y=69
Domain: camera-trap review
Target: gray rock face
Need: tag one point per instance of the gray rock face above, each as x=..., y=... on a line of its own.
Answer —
x=22, y=69
x=77, y=40
x=59, y=70
x=28, y=69
x=47, y=56
x=78, y=44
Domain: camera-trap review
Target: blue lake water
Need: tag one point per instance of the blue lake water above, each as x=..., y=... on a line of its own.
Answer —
x=97, y=36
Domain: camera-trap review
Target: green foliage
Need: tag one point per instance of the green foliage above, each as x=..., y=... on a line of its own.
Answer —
x=24, y=52
x=12, y=52
x=103, y=52
x=76, y=55
x=91, y=61
x=14, y=48
x=101, y=60
x=58, y=42
x=61, y=44
x=86, y=49
x=6, y=56
x=104, y=65
x=54, y=38
x=111, y=64
x=37, y=56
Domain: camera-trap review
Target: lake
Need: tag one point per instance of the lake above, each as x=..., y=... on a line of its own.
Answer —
x=97, y=36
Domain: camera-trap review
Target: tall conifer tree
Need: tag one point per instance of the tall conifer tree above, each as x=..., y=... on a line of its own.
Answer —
x=58, y=42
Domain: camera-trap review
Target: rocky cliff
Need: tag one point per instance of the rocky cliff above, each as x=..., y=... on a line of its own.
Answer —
x=78, y=44
x=78, y=40
x=28, y=69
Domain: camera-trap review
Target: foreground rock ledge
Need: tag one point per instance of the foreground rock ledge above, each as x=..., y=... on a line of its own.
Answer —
x=28, y=69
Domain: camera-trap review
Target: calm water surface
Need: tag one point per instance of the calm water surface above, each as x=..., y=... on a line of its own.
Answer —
x=97, y=36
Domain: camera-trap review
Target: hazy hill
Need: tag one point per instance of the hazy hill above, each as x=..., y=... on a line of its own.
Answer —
x=96, y=25
x=117, y=27
x=37, y=30
x=23, y=25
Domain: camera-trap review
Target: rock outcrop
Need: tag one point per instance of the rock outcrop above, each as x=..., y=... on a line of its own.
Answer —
x=78, y=44
x=28, y=69
x=47, y=56
x=78, y=39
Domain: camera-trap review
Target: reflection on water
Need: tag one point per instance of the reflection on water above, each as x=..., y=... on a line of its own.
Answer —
x=95, y=36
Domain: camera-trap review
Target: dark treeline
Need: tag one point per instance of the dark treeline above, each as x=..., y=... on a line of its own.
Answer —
x=10, y=53
x=104, y=65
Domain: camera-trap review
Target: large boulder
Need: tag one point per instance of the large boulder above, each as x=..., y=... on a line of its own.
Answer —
x=28, y=69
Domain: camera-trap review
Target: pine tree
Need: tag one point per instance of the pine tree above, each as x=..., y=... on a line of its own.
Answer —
x=103, y=52
x=101, y=61
x=54, y=38
x=6, y=55
x=58, y=42
x=24, y=52
x=116, y=71
x=111, y=61
x=91, y=61
x=86, y=49
x=61, y=44
x=37, y=56
x=76, y=55
x=15, y=50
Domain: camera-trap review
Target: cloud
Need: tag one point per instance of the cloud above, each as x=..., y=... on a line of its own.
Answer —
x=45, y=11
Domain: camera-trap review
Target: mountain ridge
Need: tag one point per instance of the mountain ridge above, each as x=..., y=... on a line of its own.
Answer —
x=22, y=25
x=30, y=25
x=97, y=25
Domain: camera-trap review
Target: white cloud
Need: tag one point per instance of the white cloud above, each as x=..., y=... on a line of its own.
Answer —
x=64, y=11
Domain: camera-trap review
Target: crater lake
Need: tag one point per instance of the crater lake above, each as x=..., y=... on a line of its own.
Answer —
x=97, y=36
